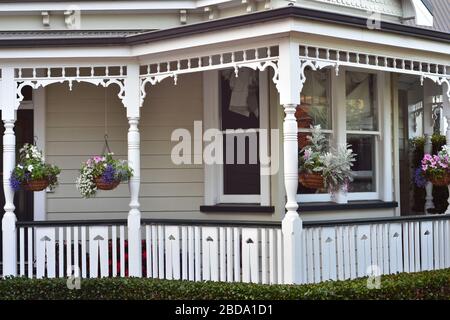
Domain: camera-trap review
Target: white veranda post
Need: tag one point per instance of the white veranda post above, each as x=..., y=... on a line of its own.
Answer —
x=132, y=104
x=7, y=99
x=428, y=132
x=289, y=87
x=446, y=110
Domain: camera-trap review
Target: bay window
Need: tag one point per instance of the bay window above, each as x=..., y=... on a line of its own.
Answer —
x=347, y=107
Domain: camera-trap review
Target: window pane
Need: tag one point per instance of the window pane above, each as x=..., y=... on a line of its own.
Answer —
x=364, y=166
x=361, y=105
x=315, y=105
x=240, y=110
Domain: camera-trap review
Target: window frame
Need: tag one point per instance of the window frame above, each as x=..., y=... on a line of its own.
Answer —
x=339, y=132
x=213, y=174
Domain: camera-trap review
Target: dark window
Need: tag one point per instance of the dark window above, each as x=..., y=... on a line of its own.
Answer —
x=240, y=110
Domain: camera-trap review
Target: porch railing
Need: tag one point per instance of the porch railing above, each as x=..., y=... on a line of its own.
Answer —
x=234, y=251
x=339, y=250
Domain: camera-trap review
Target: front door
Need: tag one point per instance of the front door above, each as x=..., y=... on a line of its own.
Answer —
x=23, y=200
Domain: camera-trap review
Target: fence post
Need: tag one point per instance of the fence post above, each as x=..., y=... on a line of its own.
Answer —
x=8, y=107
x=132, y=103
x=289, y=88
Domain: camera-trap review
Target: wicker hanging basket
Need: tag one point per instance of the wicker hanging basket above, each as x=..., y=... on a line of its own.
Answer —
x=102, y=185
x=311, y=180
x=36, y=185
x=442, y=181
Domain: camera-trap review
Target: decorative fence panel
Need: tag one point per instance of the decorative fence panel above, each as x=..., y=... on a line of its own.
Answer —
x=62, y=249
x=347, y=250
x=216, y=252
x=234, y=251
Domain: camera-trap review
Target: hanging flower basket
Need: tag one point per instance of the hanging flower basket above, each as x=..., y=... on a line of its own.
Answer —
x=442, y=181
x=32, y=173
x=311, y=180
x=104, y=185
x=36, y=185
x=435, y=168
x=102, y=173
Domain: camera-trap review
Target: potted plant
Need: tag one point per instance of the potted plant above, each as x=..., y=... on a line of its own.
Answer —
x=435, y=168
x=32, y=173
x=321, y=167
x=102, y=173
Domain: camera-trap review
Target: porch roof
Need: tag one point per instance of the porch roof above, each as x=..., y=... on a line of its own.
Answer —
x=86, y=38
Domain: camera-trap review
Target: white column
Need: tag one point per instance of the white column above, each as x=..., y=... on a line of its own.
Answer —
x=132, y=103
x=446, y=113
x=428, y=131
x=447, y=142
x=9, y=241
x=289, y=87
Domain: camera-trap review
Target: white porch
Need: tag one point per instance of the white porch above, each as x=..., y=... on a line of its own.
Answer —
x=268, y=252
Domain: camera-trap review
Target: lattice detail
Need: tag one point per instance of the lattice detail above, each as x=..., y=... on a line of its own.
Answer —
x=42, y=77
x=375, y=62
x=256, y=59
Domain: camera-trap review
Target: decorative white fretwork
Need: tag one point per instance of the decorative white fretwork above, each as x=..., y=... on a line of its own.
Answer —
x=42, y=77
x=255, y=58
x=314, y=65
x=366, y=60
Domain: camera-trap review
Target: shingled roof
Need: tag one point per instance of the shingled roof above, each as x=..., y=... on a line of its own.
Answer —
x=440, y=10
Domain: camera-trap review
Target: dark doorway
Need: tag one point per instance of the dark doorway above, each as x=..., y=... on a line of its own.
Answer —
x=23, y=200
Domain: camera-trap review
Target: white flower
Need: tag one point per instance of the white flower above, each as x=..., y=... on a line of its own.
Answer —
x=20, y=166
x=30, y=168
x=27, y=156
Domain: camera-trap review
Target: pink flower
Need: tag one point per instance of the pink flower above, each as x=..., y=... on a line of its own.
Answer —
x=424, y=167
x=427, y=156
x=307, y=154
x=98, y=159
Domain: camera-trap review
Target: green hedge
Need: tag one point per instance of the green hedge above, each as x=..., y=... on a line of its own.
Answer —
x=423, y=285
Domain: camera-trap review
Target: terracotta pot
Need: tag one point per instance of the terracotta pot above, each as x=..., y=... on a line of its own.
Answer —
x=102, y=185
x=36, y=185
x=441, y=182
x=311, y=180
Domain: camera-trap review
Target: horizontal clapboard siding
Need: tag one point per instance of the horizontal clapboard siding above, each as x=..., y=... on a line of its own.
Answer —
x=75, y=128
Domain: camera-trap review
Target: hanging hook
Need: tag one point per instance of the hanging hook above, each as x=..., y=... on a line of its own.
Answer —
x=35, y=139
x=106, y=146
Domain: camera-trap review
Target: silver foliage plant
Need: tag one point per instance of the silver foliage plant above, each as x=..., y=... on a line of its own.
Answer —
x=334, y=164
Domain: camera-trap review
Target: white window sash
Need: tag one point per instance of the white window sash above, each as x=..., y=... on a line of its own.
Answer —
x=214, y=192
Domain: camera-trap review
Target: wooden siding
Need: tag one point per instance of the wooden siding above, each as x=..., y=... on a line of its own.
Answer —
x=75, y=130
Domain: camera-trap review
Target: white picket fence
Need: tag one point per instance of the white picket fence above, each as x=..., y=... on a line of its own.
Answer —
x=349, y=251
x=245, y=252
x=217, y=253
x=79, y=250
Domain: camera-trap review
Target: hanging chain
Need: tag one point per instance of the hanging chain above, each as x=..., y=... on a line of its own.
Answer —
x=106, y=145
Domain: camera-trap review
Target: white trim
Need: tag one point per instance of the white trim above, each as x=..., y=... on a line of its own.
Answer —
x=264, y=145
x=383, y=153
x=213, y=174
x=210, y=119
x=39, y=125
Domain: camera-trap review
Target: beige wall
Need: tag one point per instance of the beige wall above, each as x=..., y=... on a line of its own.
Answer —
x=75, y=129
x=75, y=124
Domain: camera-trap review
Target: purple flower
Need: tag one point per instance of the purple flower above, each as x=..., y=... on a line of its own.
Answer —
x=14, y=183
x=109, y=175
x=419, y=178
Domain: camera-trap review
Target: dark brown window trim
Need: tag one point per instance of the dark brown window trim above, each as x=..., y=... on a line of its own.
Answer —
x=237, y=208
x=351, y=205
